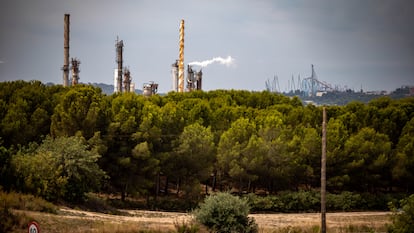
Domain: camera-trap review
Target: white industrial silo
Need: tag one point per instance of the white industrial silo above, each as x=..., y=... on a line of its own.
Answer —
x=115, y=80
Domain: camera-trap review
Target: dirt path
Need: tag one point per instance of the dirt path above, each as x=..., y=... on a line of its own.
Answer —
x=148, y=219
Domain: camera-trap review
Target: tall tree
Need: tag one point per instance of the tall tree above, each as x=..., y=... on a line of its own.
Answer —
x=126, y=113
x=80, y=109
x=230, y=150
x=25, y=112
x=194, y=156
x=138, y=171
x=336, y=158
x=368, y=155
x=403, y=170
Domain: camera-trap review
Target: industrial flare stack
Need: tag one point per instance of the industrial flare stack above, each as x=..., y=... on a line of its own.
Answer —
x=181, y=59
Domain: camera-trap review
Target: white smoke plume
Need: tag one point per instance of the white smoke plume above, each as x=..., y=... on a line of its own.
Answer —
x=224, y=61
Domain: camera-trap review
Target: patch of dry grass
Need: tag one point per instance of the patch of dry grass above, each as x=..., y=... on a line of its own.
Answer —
x=347, y=222
x=68, y=220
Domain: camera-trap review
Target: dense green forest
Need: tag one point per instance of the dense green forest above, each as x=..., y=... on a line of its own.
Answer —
x=60, y=143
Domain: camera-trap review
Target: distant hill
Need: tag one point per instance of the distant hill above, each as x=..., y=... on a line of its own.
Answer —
x=109, y=89
x=343, y=98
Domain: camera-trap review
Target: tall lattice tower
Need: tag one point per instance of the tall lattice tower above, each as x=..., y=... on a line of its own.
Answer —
x=181, y=59
x=75, y=71
x=127, y=80
x=119, y=45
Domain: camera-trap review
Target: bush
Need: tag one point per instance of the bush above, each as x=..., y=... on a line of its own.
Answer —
x=309, y=201
x=186, y=227
x=403, y=221
x=8, y=219
x=224, y=213
x=300, y=201
x=95, y=203
x=26, y=202
x=345, y=201
x=12, y=222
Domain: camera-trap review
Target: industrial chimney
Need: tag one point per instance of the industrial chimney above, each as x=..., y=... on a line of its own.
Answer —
x=65, y=67
x=119, y=48
x=75, y=71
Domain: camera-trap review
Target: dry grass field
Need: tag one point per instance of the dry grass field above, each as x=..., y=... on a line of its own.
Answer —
x=75, y=221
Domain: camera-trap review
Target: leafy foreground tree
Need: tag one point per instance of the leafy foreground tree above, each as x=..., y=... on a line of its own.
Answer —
x=60, y=168
x=225, y=213
x=404, y=222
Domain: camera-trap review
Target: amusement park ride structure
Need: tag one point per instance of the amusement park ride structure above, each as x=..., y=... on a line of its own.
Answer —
x=309, y=87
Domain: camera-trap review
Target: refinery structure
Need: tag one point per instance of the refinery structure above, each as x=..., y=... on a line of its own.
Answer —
x=185, y=81
x=308, y=89
x=122, y=80
x=122, y=75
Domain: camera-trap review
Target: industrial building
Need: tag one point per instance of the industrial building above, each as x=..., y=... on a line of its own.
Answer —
x=150, y=89
x=194, y=79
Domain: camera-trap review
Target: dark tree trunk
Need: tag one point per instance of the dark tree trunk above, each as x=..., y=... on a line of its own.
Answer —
x=166, y=186
x=124, y=192
x=157, y=186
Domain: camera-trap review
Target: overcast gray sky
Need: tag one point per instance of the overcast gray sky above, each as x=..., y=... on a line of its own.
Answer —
x=352, y=43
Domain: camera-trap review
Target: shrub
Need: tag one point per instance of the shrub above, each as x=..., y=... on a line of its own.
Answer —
x=224, y=213
x=309, y=201
x=26, y=202
x=8, y=219
x=186, y=227
x=12, y=222
x=94, y=203
x=345, y=201
x=403, y=221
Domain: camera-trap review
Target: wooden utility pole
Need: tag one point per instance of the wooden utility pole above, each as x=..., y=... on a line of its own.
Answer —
x=323, y=174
